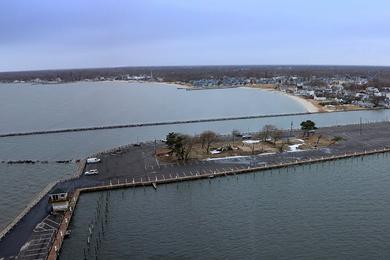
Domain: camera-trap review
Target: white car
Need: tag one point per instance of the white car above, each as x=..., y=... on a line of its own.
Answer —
x=93, y=160
x=91, y=172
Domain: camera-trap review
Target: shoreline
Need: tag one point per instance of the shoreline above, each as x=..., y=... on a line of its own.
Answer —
x=173, y=84
x=310, y=107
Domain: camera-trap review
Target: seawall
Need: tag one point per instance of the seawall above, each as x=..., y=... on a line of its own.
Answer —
x=178, y=122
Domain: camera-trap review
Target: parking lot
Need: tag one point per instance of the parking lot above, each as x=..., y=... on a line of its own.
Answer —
x=139, y=162
x=39, y=243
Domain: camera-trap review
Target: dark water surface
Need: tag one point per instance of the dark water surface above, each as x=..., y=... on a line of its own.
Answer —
x=26, y=107
x=335, y=210
x=86, y=104
x=19, y=184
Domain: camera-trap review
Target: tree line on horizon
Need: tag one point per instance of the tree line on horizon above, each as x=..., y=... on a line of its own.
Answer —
x=379, y=76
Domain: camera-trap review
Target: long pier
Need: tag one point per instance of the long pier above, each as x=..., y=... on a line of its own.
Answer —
x=59, y=238
x=132, y=167
x=178, y=122
x=155, y=181
x=60, y=235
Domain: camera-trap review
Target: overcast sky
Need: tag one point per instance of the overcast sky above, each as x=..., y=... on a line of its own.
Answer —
x=51, y=34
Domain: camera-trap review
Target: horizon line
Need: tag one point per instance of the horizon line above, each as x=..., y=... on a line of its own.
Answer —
x=183, y=66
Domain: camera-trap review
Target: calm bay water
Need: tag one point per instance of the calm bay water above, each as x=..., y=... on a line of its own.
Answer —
x=59, y=106
x=89, y=104
x=83, y=104
x=81, y=144
x=335, y=210
x=21, y=183
x=25, y=107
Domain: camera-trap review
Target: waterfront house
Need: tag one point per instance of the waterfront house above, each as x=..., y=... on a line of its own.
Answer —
x=59, y=200
x=319, y=98
x=362, y=96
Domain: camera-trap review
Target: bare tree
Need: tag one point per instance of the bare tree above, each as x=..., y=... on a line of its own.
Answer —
x=276, y=135
x=266, y=131
x=281, y=147
x=188, y=144
x=235, y=133
x=207, y=138
x=318, y=140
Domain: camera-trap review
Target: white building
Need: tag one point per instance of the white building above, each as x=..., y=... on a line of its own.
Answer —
x=59, y=200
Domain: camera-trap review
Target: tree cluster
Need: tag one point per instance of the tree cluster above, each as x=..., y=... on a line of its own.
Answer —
x=270, y=133
x=308, y=126
x=181, y=145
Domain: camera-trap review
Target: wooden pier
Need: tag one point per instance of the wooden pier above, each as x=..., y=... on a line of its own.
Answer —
x=171, y=179
x=56, y=246
x=160, y=179
x=60, y=235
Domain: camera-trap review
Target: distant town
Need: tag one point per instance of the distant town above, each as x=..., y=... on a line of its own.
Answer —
x=329, y=92
x=328, y=88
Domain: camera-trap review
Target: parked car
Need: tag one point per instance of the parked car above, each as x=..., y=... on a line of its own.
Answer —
x=91, y=172
x=246, y=137
x=93, y=160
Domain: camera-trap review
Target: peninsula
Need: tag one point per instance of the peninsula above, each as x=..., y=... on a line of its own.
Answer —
x=156, y=163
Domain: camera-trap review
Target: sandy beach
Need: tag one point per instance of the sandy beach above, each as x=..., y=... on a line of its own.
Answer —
x=174, y=84
x=309, y=106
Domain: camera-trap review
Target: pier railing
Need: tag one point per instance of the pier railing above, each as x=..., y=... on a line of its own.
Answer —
x=60, y=234
x=162, y=179
x=128, y=183
x=159, y=179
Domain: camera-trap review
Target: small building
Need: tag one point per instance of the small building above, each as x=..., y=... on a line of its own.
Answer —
x=59, y=200
x=319, y=98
